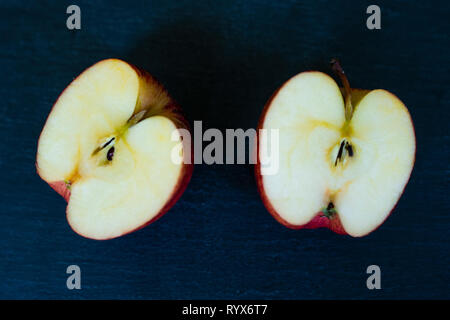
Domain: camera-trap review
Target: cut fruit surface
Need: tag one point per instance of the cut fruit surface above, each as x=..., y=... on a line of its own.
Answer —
x=108, y=141
x=358, y=166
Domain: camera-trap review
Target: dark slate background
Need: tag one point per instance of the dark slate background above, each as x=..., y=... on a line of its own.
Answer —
x=222, y=60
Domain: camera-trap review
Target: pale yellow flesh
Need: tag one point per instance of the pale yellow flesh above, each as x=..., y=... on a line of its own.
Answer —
x=108, y=198
x=309, y=113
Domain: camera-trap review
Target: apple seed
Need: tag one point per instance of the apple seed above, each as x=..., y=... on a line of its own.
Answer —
x=339, y=155
x=110, y=154
x=107, y=143
x=349, y=149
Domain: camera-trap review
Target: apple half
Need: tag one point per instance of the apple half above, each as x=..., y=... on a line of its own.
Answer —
x=345, y=155
x=106, y=148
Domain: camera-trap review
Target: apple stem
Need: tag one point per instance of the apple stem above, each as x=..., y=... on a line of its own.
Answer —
x=336, y=66
x=136, y=117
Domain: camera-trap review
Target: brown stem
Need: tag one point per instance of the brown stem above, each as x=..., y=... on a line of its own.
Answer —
x=336, y=66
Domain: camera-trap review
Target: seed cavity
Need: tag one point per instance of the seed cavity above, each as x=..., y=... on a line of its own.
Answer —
x=344, y=149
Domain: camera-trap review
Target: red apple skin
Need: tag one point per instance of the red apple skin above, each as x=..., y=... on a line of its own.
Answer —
x=174, y=113
x=61, y=188
x=319, y=221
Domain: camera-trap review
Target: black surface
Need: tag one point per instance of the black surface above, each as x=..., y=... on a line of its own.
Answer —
x=222, y=60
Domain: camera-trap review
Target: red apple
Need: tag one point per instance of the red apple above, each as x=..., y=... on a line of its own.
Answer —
x=106, y=148
x=345, y=155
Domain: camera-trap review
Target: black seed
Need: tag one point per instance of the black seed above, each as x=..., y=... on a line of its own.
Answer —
x=110, y=154
x=349, y=149
x=339, y=155
x=106, y=144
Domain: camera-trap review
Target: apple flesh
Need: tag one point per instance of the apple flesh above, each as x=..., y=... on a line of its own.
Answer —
x=345, y=155
x=106, y=148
